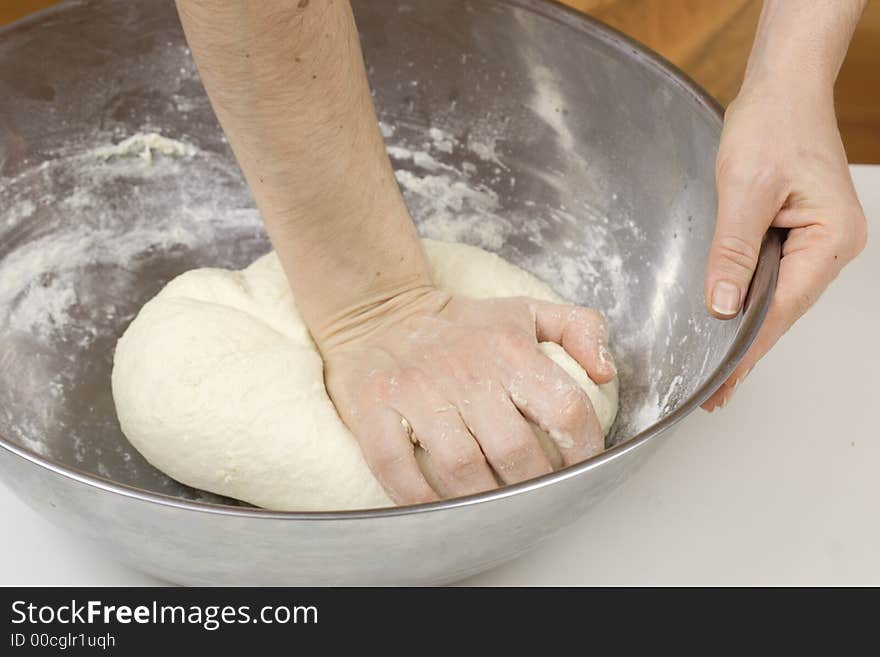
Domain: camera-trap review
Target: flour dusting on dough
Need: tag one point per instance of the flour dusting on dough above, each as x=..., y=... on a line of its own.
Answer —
x=236, y=404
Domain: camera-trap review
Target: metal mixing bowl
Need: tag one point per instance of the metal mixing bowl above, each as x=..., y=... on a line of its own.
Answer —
x=557, y=142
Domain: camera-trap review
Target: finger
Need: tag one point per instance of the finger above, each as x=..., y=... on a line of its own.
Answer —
x=582, y=332
x=388, y=450
x=458, y=464
x=505, y=436
x=747, y=204
x=808, y=266
x=547, y=396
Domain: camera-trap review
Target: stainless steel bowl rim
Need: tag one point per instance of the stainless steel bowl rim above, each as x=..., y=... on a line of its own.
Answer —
x=755, y=309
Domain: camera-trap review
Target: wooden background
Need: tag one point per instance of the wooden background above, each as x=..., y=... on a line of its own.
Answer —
x=710, y=40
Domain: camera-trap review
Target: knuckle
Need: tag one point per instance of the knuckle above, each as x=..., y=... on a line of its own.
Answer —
x=590, y=318
x=388, y=460
x=860, y=240
x=736, y=254
x=376, y=387
x=509, y=338
x=514, y=454
x=413, y=378
x=466, y=463
x=842, y=240
x=852, y=239
x=573, y=410
x=521, y=305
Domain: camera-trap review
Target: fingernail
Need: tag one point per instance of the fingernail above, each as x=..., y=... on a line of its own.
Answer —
x=725, y=298
x=607, y=360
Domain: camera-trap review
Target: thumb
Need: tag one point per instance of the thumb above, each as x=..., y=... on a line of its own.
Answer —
x=747, y=206
x=582, y=332
x=805, y=271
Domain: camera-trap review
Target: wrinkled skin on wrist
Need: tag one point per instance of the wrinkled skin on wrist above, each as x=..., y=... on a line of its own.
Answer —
x=781, y=163
x=463, y=378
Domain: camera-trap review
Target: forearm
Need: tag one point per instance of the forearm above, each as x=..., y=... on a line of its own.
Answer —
x=801, y=44
x=287, y=83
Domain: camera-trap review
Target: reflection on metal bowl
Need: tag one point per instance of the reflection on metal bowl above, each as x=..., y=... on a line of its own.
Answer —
x=515, y=125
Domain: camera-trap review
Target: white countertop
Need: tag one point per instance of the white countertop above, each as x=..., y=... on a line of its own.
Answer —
x=781, y=487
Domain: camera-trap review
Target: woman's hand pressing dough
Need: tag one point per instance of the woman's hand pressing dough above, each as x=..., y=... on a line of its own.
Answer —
x=461, y=379
x=238, y=405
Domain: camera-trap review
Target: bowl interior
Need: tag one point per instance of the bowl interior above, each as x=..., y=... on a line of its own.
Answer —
x=514, y=125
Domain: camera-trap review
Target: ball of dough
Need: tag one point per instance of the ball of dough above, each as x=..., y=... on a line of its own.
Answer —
x=218, y=383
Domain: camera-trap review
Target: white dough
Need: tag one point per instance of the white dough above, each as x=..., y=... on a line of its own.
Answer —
x=218, y=384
